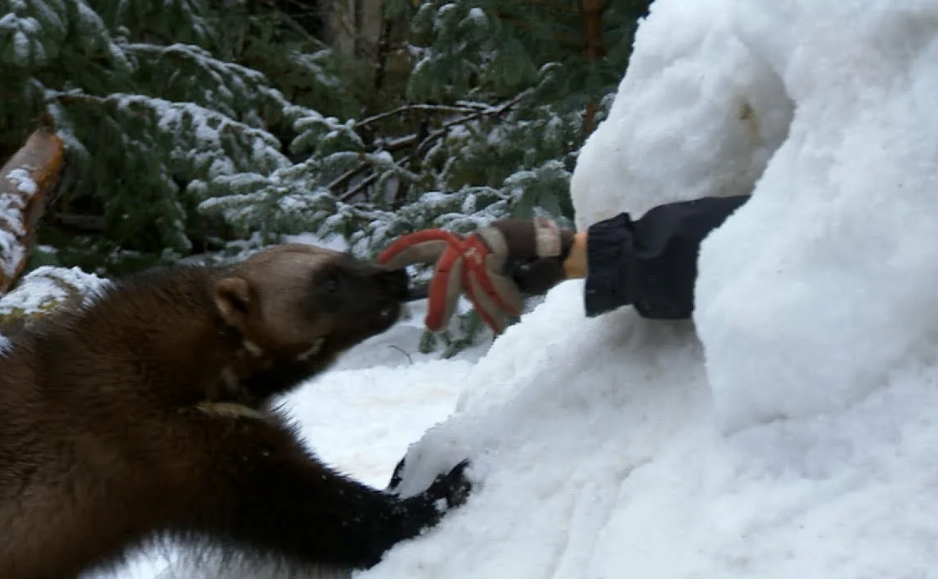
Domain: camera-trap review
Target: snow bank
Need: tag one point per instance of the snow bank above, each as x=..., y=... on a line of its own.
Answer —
x=553, y=440
x=619, y=470
x=792, y=440
x=826, y=281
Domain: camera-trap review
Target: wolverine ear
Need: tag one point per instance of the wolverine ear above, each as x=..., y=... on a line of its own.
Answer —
x=233, y=300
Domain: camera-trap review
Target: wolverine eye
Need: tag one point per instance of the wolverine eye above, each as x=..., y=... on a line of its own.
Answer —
x=330, y=283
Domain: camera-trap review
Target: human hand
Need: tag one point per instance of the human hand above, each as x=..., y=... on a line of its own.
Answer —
x=495, y=266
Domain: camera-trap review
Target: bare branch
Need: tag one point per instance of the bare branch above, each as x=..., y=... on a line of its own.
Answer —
x=414, y=107
x=365, y=183
x=490, y=111
x=347, y=196
x=344, y=178
x=418, y=141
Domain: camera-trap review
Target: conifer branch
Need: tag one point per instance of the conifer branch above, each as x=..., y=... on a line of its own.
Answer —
x=153, y=106
x=194, y=53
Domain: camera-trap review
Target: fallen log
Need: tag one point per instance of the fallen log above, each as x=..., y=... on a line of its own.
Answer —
x=27, y=182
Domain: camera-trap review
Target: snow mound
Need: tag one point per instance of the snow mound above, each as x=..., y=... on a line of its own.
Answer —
x=825, y=282
x=792, y=437
x=619, y=469
x=553, y=442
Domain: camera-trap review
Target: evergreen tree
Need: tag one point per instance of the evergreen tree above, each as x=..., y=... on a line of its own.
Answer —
x=151, y=96
x=501, y=97
x=206, y=127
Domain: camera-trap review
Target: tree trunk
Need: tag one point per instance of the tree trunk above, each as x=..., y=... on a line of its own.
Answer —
x=594, y=50
x=27, y=182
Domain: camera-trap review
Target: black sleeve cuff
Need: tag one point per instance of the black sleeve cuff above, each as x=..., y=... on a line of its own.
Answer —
x=609, y=256
x=651, y=263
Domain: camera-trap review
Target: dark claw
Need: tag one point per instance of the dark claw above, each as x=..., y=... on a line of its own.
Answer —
x=396, y=476
x=452, y=486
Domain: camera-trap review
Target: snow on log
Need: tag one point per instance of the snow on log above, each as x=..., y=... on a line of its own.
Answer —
x=45, y=290
x=27, y=180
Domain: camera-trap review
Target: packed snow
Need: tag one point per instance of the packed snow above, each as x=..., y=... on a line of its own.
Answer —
x=826, y=281
x=787, y=430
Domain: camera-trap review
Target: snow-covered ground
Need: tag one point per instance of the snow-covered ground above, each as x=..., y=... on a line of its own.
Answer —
x=787, y=431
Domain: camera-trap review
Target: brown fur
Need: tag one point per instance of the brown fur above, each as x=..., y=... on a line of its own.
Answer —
x=148, y=414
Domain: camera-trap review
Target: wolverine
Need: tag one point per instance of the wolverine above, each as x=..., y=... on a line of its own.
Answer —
x=150, y=413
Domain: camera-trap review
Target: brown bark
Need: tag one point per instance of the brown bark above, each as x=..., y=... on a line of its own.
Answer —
x=27, y=181
x=381, y=59
x=594, y=50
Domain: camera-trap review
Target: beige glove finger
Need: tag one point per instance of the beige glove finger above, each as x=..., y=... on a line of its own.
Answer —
x=490, y=312
x=445, y=287
x=423, y=252
x=423, y=246
x=507, y=295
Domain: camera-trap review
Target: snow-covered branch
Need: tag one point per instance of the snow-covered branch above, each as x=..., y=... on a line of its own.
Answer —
x=169, y=112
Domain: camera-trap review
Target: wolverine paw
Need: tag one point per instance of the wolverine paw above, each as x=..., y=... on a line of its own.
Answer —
x=396, y=476
x=453, y=487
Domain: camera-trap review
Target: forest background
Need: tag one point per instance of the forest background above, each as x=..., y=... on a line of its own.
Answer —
x=197, y=130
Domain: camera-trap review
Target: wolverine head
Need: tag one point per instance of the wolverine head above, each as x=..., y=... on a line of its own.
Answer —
x=296, y=307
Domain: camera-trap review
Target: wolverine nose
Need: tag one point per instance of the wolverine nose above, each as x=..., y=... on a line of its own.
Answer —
x=395, y=282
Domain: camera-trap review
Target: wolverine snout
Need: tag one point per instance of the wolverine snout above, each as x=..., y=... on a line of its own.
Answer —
x=395, y=283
